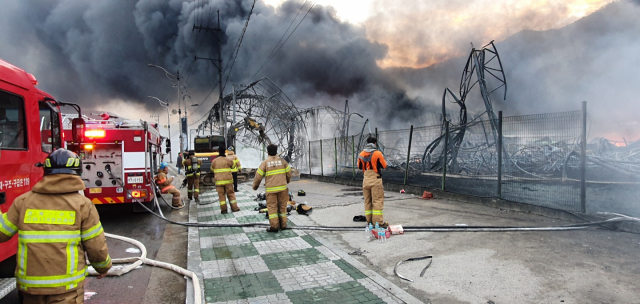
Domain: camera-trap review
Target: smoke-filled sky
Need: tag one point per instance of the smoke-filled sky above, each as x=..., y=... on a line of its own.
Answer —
x=421, y=33
x=96, y=52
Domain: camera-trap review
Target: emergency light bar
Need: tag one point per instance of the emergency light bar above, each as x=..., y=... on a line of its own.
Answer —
x=96, y=133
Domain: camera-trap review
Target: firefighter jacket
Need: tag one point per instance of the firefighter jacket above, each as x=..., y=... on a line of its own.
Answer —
x=276, y=172
x=371, y=159
x=236, y=161
x=163, y=182
x=222, y=168
x=192, y=166
x=55, y=226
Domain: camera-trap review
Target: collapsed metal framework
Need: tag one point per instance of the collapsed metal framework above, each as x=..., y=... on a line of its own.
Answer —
x=264, y=102
x=617, y=163
x=484, y=69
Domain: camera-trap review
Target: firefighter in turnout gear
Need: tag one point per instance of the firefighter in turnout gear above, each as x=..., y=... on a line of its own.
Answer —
x=277, y=174
x=371, y=161
x=222, y=167
x=236, y=166
x=192, y=171
x=165, y=184
x=56, y=225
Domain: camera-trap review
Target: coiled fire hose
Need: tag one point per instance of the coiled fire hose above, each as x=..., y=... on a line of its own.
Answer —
x=142, y=259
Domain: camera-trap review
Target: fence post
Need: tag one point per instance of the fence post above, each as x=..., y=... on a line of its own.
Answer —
x=309, y=157
x=353, y=154
x=377, y=146
x=444, y=154
x=406, y=171
x=321, y=164
x=499, y=190
x=583, y=160
x=335, y=152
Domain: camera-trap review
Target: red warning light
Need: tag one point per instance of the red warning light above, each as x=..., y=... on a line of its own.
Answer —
x=96, y=133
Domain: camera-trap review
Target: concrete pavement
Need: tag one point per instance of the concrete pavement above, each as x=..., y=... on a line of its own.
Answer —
x=583, y=266
x=249, y=265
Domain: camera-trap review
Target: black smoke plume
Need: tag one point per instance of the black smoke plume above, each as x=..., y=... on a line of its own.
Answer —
x=94, y=52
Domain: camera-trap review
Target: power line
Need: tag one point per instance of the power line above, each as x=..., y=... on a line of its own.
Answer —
x=305, y=16
x=276, y=46
x=237, y=49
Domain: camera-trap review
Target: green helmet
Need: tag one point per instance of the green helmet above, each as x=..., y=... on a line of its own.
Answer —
x=62, y=161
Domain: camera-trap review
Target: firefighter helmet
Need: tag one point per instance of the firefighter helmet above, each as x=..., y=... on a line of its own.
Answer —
x=230, y=148
x=163, y=165
x=62, y=161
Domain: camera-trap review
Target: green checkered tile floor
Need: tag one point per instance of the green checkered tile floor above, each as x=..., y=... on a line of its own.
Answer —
x=250, y=265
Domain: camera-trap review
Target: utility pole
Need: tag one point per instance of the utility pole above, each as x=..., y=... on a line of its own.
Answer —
x=218, y=64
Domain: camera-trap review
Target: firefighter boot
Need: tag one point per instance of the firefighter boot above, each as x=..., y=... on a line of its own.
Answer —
x=234, y=206
x=176, y=203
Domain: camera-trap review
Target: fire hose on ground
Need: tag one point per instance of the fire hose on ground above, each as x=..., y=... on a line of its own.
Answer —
x=196, y=284
x=142, y=259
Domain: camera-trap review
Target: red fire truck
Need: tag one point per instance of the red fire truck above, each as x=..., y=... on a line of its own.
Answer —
x=30, y=128
x=120, y=158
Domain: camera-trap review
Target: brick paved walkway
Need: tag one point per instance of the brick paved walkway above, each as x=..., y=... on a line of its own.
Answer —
x=250, y=265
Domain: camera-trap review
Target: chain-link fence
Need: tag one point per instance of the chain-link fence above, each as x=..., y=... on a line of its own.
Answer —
x=541, y=165
x=421, y=160
x=473, y=164
x=540, y=158
x=315, y=158
x=394, y=145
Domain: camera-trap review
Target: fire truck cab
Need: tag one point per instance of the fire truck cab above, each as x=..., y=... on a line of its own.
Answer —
x=120, y=159
x=30, y=129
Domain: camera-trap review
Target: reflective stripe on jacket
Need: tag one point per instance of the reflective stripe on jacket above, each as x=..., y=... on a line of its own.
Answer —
x=55, y=226
x=236, y=161
x=222, y=168
x=277, y=174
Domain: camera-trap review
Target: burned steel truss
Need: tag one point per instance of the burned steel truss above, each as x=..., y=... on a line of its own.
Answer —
x=484, y=70
x=264, y=102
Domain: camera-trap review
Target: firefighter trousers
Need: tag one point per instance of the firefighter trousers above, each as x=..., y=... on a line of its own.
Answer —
x=75, y=296
x=235, y=181
x=277, y=208
x=175, y=200
x=373, y=192
x=193, y=186
x=226, y=192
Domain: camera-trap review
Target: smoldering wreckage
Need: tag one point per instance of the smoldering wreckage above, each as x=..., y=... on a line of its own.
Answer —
x=470, y=147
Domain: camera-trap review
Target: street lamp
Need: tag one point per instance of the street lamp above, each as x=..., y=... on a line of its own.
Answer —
x=166, y=106
x=177, y=76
